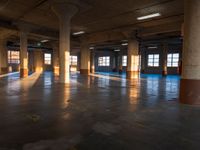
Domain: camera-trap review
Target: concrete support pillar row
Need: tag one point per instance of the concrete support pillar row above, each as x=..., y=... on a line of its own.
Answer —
x=23, y=54
x=190, y=82
x=38, y=60
x=3, y=57
x=85, y=59
x=64, y=10
x=133, y=59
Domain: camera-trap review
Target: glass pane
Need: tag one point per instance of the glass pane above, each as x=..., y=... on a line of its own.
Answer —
x=156, y=56
x=169, y=55
x=156, y=60
x=175, y=64
x=150, y=56
x=156, y=64
x=176, y=55
x=169, y=64
x=150, y=64
x=150, y=61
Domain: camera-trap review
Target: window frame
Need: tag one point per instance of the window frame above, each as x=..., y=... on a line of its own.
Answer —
x=13, y=59
x=104, y=61
x=47, y=59
x=124, y=61
x=172, y=60
x=154, y=60
x=73, y=60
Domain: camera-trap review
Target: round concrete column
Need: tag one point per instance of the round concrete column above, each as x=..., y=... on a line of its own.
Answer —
x=3, y=57
x=190, y=82
x=92, y=61
x=64, y=10
x=23, y=55
x=133, y=59
x=85, y=59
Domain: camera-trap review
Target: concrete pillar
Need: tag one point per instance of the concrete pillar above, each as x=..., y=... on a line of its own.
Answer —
x=3, y=57
x=23, y=54
x=164, y=65
x=56, y=59
x=190, y=81
x=120, y=62
x=38, y=60
x=85, y=59
x=133, y=59
x=64, y=10
x=92, y=69
x=143, y=58
x=31, y=61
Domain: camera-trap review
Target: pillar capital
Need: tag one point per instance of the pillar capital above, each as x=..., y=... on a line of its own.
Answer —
x=64, y=9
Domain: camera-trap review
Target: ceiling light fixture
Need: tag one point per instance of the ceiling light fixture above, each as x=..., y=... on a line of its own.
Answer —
x=149, y=16
x=124, y=44
x=44, y=41
x=152, y=47
x=117, y=50
x=78, y=33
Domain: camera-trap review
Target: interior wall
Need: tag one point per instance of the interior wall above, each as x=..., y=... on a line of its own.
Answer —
x=104, y=68
x=158, y=70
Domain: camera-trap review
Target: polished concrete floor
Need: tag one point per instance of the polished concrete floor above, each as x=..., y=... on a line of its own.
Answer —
x=97, y=112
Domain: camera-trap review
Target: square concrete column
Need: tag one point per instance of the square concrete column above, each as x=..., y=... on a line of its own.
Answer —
x=190, y=81
x=38, y=60
x=3, y=57
x=23, y=55
x=85, y=59
x=133, y=59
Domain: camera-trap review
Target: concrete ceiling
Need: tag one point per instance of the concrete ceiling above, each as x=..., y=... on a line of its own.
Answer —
x=97, y=17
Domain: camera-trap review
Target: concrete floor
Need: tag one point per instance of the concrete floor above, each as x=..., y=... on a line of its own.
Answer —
x=97, y=112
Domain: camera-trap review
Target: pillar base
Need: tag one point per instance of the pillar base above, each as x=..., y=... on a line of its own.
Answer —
x=23, y=73
x=132, y=74
x=56, y=70
x=189, y=92
x=4, y=70
x=85, y=71
x=164, y=73
x=92, y=71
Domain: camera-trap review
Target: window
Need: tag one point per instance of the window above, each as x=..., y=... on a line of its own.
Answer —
x=153, y=60
x=104, y=61
x=47, y=59
x=124, y=61
x=172, y=60
x=73, y=60
x=13, y=57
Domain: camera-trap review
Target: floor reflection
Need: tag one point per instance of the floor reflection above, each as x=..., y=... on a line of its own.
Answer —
x=100, y=109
